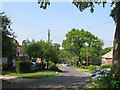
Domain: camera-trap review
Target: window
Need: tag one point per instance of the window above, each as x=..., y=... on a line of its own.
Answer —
x=4, y=60
x=20, y=54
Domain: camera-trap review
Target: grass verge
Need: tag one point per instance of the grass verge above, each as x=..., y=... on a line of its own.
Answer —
x=35, y=75
x=85, y=70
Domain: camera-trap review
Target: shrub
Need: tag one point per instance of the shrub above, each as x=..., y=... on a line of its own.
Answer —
x=92, y=68
x=105, y=66
x=39, y=66
x=109, y=81
x=83, y=67
x=23, y=66
x=53, y=67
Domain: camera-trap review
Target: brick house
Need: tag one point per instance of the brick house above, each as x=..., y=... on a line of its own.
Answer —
x=107, y=58
x=20, y=55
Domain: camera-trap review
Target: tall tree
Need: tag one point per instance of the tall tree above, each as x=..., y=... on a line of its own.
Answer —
x=8, y=47
x=35, y=49
x=76, y=40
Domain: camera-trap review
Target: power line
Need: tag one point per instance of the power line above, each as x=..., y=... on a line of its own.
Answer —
x=99, y=25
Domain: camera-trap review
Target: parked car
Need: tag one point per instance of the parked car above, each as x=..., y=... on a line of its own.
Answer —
x=67, y=65
x=100, y=73
x=106, y=69
x=35, y=66
x=96, y=72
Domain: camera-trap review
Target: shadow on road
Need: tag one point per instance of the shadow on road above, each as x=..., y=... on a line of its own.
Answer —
x=65, y=71
x=53, y=82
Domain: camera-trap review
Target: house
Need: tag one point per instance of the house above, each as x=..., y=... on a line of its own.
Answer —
x=20, y=55
x=107, y=58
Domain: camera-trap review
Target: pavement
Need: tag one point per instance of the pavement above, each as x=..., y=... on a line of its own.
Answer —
x=69, y=78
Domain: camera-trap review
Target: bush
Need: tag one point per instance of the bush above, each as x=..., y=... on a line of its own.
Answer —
x=105, y=66
x=92, y=68
x=39, y=66
x=109, y=81
x=53, y=67
x=23, y=66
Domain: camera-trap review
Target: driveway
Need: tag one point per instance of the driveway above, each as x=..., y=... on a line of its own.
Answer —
x=69, y=78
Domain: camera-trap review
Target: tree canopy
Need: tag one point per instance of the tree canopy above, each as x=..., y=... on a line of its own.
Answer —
x=76, y=43
x=8, y=47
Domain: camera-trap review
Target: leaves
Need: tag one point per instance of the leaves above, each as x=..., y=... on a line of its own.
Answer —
x=8, y=48
x=76, y=41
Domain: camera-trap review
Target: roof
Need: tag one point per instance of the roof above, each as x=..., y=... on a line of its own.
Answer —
x=109, y=54
x=20, y=49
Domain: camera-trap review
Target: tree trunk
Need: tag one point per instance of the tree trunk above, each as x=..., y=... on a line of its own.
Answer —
x=116, y=49
x=47, y=64
x=79, y=61
x=42, y=63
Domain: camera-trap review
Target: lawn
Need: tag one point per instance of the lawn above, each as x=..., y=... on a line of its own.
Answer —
x=35, y=75
x=85, y=70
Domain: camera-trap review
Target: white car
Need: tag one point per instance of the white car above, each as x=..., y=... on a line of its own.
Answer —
x=101, y=73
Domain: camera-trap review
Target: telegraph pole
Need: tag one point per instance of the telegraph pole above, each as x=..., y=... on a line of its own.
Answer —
x=87, y=56
x=48, y=35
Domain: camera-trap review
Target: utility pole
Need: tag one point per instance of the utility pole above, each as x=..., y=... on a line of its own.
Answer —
x=87, y=56
x=48, y=35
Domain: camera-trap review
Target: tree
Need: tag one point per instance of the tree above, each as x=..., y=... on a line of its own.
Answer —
x=106, y=50
x=115, y=14
x=8, y=47
x=41, y=49
x=57, y=45
x=34, y=49
x=76, y=40
x=43, y=3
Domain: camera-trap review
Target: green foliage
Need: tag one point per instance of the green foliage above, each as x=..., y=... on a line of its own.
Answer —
x=106, y=50
x=92, y=68
x=43, y=3
x=105, y=66
x=53, y=67
x=76, y=41
x=42, y=49
x=109, y=81
x=83, y=67
x=34, y=49
x=23, y=67
x=8, y=48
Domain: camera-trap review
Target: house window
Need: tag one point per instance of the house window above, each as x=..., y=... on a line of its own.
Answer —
x=20, y=54
x=104, y=59
x=4, y=60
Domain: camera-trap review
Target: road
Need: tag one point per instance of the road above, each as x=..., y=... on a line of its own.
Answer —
x=69, y=78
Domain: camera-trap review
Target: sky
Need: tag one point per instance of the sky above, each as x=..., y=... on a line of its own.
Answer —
x=29, y=21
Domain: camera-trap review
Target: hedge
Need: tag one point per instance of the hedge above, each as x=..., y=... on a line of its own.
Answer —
x=92, y=68
x=105, y=66
x=23, y=67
